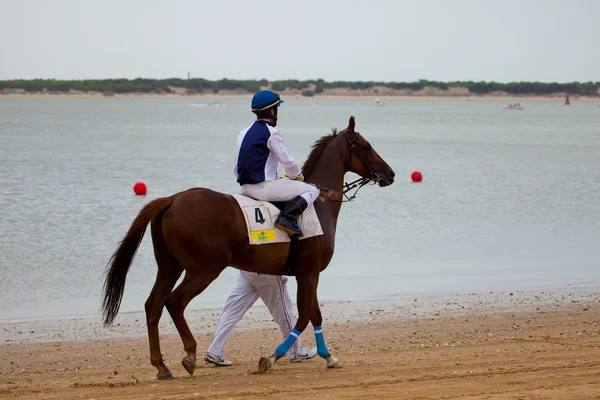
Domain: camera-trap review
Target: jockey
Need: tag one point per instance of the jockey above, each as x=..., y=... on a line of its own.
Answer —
x=260, y=149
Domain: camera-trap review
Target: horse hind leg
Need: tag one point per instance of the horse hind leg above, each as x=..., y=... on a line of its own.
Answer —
x=168, y=273
x=192, y=285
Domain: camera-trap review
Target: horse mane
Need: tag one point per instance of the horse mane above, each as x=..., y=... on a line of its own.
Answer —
x=317, y=150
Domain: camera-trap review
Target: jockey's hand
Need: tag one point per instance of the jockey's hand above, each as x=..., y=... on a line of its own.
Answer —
x=299, y=178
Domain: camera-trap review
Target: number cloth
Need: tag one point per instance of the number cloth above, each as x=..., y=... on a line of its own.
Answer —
x=260, y=218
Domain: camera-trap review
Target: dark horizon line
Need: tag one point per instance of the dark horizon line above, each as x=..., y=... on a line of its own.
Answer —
x=298, y=80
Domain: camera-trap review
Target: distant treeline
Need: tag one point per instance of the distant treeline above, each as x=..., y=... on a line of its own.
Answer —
x=308, y=88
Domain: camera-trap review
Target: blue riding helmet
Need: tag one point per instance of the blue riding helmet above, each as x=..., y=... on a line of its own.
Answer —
x=264, y=100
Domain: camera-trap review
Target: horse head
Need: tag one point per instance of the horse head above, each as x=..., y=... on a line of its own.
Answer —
x=363, y=160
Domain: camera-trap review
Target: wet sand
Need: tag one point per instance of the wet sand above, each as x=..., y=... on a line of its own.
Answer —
x=538, y=344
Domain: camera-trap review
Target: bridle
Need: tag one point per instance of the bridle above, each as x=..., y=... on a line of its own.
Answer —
x=357, y=184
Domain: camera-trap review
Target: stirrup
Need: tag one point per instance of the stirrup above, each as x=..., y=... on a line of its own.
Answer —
x=289, y=229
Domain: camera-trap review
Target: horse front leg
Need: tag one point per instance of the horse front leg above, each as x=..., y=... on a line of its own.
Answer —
x=307, y=293
x=316, y=319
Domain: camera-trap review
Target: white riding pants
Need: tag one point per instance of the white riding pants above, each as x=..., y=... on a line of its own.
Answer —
x=250, y=286
x=281, y=190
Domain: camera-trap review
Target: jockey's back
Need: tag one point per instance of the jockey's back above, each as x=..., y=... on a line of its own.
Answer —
x=259, y=150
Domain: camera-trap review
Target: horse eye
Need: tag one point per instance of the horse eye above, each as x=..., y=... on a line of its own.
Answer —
x=368, y=147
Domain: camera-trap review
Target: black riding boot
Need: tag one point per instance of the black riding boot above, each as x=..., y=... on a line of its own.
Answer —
x=288, y=217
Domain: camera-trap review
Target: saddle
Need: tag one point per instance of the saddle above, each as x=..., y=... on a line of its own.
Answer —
x=260, y=219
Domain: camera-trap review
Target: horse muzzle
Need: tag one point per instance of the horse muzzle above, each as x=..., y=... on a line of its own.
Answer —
x=384, y=180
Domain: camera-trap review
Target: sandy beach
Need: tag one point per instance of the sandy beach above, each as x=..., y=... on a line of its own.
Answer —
x=537, y=344
x=212, y=96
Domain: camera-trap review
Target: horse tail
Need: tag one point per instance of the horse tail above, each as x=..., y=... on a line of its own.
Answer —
x=119, y=263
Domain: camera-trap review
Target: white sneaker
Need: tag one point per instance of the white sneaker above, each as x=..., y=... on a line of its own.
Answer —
x=219, y=361
x=304, y=354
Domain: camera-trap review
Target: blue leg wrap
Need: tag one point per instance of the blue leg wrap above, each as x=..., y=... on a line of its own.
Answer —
x=283, y=348
x=321, y=347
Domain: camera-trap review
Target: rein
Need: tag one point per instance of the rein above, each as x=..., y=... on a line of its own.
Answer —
x=358, y=184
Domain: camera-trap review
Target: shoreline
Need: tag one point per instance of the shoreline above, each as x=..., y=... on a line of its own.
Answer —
x=367, y=96
x=203, y=320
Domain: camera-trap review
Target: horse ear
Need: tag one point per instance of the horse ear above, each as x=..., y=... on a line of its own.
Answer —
x=351, y=124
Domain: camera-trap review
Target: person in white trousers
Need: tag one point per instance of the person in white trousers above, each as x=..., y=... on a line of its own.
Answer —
x=273, y=291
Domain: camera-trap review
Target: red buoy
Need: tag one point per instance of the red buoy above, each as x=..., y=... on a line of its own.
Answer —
x=416, y=176
x=139, y=188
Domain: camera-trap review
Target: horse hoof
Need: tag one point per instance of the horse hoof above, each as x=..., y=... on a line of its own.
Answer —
x=333, y=362
x=167, y=376
x=189, y=365
x=264, y=364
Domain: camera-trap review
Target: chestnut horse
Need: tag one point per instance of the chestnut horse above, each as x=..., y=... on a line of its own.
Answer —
x=201, y=232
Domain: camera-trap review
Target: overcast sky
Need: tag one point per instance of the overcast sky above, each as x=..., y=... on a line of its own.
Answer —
x=387, y=40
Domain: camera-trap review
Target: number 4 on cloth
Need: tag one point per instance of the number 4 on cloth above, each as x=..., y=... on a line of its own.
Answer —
x=258, y=216
x=260, y=224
